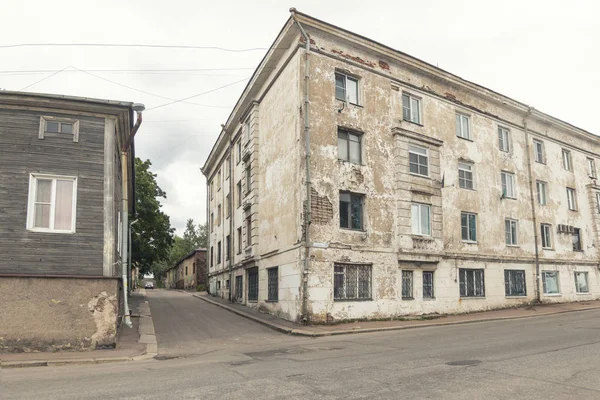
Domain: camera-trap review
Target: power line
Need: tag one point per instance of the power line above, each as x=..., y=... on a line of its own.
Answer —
x=43, y=79
x=155, y=46
x=199, y=94
x=143, y=91
x=132, y=70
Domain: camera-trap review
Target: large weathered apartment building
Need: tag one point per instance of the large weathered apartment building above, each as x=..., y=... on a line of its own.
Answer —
x=352, y=180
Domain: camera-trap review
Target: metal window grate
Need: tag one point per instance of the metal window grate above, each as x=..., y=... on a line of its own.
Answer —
x=514, y=282
x=239, y=288
x=428, y=285
x=253, y=285
x=471, y=283
x=273, y=284
x=407, y=284
x=352, y=282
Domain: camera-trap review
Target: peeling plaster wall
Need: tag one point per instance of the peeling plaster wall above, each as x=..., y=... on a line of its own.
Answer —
x=40, y=314
x=277, y=202
x=383, y=177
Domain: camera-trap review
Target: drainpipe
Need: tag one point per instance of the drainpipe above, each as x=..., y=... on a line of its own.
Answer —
x=533, y=208
x=125, y=209
x=129, y=259
x=307, y=219
x=229, y=206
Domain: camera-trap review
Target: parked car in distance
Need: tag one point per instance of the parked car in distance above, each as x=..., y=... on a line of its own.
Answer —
x=149, y=285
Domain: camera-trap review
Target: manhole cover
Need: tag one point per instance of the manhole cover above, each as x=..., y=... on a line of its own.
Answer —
x=463, y=362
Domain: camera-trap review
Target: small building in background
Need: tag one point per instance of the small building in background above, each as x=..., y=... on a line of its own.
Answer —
x=189, y=272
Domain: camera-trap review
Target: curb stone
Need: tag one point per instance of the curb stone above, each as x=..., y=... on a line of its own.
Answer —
x=308, y=333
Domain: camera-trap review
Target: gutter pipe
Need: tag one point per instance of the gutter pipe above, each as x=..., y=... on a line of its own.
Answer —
x=307, y=219
x=533, y=208
x=125, y=211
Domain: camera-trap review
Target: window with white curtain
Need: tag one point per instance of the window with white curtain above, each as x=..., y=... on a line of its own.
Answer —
x=421, y=219
x=52, y=203
x=551, y=283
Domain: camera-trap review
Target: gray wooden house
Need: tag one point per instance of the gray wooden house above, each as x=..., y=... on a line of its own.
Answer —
x=61, y=219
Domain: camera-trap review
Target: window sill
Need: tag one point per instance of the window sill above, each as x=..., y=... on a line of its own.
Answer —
x=541, y=162
x=428, y=298
x=252, y=301
x=464, y=138
x=469, y=242
x=503, y=197
x=583, y=294
x=512, y=245
x=353, y=230
x=548, y=248
x=348, y=103
x=553, y=294
x=466, y=188
x=472, y=297
x=41, y=230
x=408, y=298
x=413, y=122
x=420, y=176
x=422, y=237
x=516, y=296
x=342, y=300
x=578, y=251
x=349, y=162
x=271, y=301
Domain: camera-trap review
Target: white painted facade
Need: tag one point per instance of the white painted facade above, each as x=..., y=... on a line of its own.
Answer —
x=268, y=123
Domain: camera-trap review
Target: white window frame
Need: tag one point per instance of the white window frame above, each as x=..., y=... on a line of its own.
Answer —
x=546, y=231
x=467, y=168
x=460, y=131
x=509, y=191
x=572, y=199
x=598, y=201
x=420, y=152
x=591, y=168
x=514, y=227
x=567, y=162
x=470, y=234
x=414, y=115
x=419, y=215
x=504, y=139
x=45, y=119
x=540, y=156
x=31, y=203
x=545, y=286
x=587, y=282
x=542, y=192
x=346, y=89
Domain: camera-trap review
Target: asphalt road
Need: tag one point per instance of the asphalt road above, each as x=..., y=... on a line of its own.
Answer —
x=552, y=357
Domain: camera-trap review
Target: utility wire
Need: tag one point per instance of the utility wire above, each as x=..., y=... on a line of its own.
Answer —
x=155, y=46
x=132, y=70
x=43, y=79
x=143, y=91
x=197, y=95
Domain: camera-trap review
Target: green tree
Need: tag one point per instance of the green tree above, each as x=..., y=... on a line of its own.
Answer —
x=152, y=235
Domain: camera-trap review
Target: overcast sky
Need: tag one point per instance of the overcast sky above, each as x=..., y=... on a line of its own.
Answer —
x=543, y=53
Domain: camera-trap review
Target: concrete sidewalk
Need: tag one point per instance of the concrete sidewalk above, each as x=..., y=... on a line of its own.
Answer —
x=136, y=343
x=389, y=325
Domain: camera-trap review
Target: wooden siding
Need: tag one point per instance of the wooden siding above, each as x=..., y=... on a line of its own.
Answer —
x=23, y=153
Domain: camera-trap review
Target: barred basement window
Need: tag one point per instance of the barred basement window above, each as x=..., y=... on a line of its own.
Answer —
x=253, y=285
x=273, y=284
x=407, y=284
x=471, y=283
x=514, y=283
x=239, y=288
x=352, y=282
x=428, y=292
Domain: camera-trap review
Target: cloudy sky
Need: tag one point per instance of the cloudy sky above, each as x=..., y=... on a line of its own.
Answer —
x=544, y=53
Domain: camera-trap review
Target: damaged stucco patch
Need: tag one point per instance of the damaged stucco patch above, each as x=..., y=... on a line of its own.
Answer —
x=104, y=311
x=321, y=209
